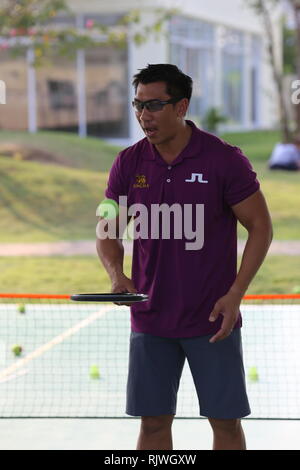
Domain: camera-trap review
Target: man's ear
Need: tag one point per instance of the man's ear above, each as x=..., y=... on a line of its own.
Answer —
x=183, y=107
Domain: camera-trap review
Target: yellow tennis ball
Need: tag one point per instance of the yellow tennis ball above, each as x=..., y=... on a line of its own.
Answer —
x=21, y=308
x=108, y=209
x=253, y=374
x=94, y=372
x=17, y=349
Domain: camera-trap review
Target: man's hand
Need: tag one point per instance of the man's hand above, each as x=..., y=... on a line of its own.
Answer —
x=228, y=306
x=122, y=283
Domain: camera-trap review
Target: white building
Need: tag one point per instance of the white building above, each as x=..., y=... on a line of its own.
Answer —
x=221, y=44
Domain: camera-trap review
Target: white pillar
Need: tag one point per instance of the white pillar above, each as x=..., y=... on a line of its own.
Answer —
x=246, y=86
x=131, y=92
x=218, y=68
x=81, y=94
x=81, y=87
x=31, y=92
x=259, y=64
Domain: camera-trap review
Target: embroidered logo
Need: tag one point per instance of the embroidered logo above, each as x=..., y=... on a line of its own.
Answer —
x=140, y=182
x=196, y=177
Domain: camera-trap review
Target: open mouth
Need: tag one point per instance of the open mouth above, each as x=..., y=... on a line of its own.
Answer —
x=150, y=131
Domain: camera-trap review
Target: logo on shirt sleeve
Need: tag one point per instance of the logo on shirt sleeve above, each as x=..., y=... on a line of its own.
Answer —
x=141, y=182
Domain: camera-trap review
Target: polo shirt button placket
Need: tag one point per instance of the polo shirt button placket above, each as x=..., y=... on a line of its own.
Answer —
x=168, y=180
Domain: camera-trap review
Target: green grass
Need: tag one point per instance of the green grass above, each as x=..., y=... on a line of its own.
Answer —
x=282, y=192
x=67, y=275
x=42, y=202
x=55, y=274
x=86, y=153
x=47, y=202
x=281, y=188
x=257, y=145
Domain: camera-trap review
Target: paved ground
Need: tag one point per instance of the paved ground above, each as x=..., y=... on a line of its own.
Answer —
x=115, y=434
x=88, y=247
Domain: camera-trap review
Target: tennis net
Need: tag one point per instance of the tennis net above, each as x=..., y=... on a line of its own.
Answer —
x=64, y=359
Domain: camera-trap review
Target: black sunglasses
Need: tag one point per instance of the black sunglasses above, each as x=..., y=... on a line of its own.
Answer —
x=152, y=105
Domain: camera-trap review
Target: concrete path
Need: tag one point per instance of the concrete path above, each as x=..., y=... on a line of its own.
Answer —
x=117, y=434
x=88, y=247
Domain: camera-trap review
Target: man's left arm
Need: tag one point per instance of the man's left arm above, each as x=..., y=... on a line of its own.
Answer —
x=254, y=215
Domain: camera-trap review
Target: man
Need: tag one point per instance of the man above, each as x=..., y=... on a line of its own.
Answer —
x=286, y=156
x=194, y=294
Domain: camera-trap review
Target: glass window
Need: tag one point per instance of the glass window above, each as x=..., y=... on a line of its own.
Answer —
x=57, y=95
x=13, y=71
x=106, y=78
x=188, y=28
x=107, y=92
x=191, y=49
x=61, y=94
x=232, y=74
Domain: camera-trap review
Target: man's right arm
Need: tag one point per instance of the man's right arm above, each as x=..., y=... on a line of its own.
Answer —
x=111, y=254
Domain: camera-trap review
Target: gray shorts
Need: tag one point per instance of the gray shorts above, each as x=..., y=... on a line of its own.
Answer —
x=155, y=367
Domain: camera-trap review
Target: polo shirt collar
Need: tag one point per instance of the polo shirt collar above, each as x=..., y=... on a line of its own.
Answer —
x=190, y=151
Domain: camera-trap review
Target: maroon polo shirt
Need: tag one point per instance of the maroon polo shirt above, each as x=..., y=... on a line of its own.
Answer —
x=183, y=285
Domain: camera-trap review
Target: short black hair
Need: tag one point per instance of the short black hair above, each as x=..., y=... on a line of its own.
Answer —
x=178, y=85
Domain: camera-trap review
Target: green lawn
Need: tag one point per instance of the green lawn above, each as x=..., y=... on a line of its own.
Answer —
x=55, y=274
x=282, y=191
x=67, y=275
x=47, y=202
x=86, y=153
x=281, y=188
x=257, y=145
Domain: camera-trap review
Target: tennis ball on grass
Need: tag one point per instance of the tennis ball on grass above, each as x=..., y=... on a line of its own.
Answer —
x=253, y=374
x=17, y=349
x=94, y=372
x=296, y=290
x=21, y=308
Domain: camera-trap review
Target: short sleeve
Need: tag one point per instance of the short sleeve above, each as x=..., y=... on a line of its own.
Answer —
x=241, y=180
x=116, y=186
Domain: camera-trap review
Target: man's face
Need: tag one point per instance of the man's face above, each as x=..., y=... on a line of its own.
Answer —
x=159, y=126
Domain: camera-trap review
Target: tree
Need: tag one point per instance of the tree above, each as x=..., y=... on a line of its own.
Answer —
x=212, y=119
x=296, y=11
x=264, y=9
x=30, y=23
x=289, y=50
x=29, y=26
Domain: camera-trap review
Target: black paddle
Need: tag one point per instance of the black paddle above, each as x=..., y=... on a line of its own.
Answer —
x=112, y=297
